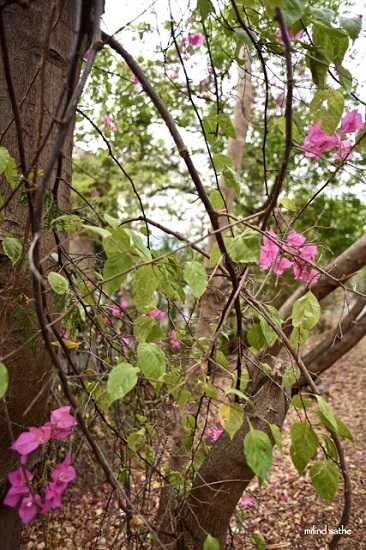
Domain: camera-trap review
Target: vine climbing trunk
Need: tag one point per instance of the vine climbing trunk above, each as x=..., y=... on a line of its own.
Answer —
x=37, y=78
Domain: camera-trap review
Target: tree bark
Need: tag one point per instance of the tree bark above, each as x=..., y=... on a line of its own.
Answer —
x=337, y=343
x=225, y=474
x=34, y=89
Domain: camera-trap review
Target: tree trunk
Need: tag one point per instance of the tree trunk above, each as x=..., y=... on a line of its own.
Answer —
x=34, y=65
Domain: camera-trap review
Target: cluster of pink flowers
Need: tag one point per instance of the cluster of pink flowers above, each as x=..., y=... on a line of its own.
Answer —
x=270, y=256
x=214, y=433
x=59, y=427
x=156, y=314
x=195, y=38
x=317, y=141
x=172, y=340
x=106, y=119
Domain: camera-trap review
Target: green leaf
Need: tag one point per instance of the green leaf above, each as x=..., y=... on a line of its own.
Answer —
x=299, y=336
x=330, y=42
x=145, y=285
x=11, y=173
x=259, y=541
x=122, y=379
x=221, y=358
x=325, y=479
x=115, y=264
x=293, y=10
x=323, y=15
x=243, y=37
x=352, y=26
x=288, y=204
x=99, y=231
x=258, y=452
x=301, y=402
x=210, y=129
x=341, y=430
x=211, y=543
x=12, y=248
x=134, y=439
x=58, y=283
x=142, y=327
x=304, y=445
x=215, y=253
x=216, y=199
x=256, y=337
x=345, y=78
x=205, y=8
x=232, y=179
x=152, y=360
x=246, y=247
x=233, y=391
x=4, y=380
x=330, y=447
x=327, y=105
x=231, y=416
x=195, y=275
x=224, y=121
x=280, y=122
x=111, y=221
x=290, y=376
x=276, y=434
x=306, y=311
x=221, y=162
x=4, y=158
x=327, y=411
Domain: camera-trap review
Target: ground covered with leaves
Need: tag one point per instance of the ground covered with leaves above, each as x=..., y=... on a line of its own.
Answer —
x=281, y=510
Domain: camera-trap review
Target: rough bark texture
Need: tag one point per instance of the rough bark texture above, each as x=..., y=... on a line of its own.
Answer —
x=338, y=342
x=38, y=62
x=224, y=474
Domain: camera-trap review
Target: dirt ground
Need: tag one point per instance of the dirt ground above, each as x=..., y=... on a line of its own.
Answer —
x=283, y=510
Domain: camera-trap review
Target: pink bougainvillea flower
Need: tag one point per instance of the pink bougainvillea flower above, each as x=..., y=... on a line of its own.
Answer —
x=135, y=82
x=65, y=334
x=295, y=239
x=107, y=321
x=214, y=433
x=62, y=422
x=160, y=343
x=351, y=122
x=29, y=441
x=122, y=302
x=86, y=54
x=94, y=193
x=126, y=341
x=28, y=508
x=156, y=314
x=115, y=310
x=268, y=251
x=343, y=152
x=52, y=498
x=63, y=474
x=173, y=341
x=297, y=36
x=18, y=487
x=302, y=271
x=195, y=38
x=317, y=141
x=106, y=119
x=246, y=501
x=269, y=255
